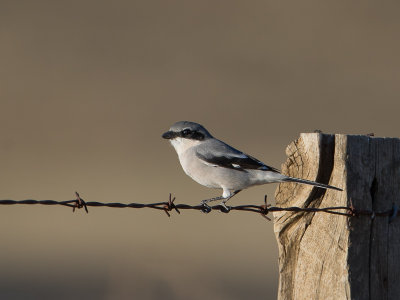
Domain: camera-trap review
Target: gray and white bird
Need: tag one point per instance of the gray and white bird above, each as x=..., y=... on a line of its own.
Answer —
x=215, y=164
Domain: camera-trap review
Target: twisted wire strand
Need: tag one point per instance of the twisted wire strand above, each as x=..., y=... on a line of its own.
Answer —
x=169, y=205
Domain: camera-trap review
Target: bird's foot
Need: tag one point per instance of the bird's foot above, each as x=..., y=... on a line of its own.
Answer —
x=206, y=208
x=225, y=208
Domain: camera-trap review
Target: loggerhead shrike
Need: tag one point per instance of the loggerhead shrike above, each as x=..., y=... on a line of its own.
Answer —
x=215, y=164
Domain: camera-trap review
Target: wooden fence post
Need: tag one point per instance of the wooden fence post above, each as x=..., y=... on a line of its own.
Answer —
x=325, y=256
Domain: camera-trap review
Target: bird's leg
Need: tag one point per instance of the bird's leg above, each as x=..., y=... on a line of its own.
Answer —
x=204, y=202
x=224, y=200
x=227, y=198
x=208, y=207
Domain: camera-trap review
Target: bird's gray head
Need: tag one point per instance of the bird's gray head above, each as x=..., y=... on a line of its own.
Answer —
x=187, y=130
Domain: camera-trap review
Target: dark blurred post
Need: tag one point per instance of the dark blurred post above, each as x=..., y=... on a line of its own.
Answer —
x=325, y=256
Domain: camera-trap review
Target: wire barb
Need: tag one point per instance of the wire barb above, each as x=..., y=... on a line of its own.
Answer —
x=79, y=203
x=170, y=206
x=352, y=208
x=264, y=209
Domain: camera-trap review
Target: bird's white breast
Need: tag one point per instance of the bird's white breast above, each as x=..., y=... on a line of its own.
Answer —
x=191, y=164
x=182, y=145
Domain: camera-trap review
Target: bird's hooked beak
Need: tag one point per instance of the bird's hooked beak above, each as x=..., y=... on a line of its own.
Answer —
x=169, y=135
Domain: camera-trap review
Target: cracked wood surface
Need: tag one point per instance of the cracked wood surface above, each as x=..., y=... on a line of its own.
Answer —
x=324, y=256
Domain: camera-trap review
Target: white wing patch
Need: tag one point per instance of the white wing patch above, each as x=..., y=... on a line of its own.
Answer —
x=209, y=164
x=242, y=155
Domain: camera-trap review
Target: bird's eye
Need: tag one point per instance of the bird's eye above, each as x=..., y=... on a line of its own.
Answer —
x=186, y=132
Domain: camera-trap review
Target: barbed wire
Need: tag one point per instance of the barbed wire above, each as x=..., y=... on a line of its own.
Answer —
x=168, y=206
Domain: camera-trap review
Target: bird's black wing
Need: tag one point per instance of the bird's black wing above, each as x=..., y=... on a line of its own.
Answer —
x=223, y=155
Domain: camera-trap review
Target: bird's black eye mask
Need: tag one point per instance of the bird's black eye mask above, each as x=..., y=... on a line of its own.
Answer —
x=185, y=133
x=191, y=134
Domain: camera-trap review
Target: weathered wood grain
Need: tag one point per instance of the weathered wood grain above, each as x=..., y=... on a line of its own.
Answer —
x=324, y=256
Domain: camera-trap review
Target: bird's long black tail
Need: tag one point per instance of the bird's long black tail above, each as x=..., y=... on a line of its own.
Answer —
x=304, y=181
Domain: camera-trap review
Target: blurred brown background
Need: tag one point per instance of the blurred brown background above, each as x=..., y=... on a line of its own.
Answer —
x=88, y=87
